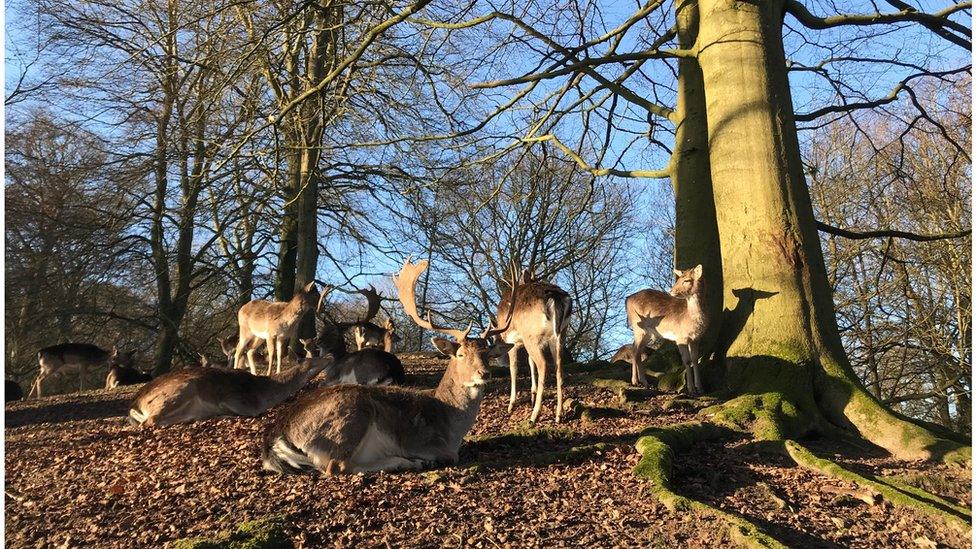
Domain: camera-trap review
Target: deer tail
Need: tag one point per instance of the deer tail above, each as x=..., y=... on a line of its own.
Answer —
x=283, y=457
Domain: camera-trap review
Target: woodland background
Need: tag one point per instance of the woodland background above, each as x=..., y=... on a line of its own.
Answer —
x=168, y=161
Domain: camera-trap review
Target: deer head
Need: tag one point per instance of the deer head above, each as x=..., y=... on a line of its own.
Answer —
x=689, y=282
x=468, y=355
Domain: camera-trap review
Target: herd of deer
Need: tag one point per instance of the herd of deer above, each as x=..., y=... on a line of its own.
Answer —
x=360, y=417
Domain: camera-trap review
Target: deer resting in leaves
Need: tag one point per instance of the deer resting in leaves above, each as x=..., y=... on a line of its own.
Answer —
x=676, y=316
x=200, y=393
x=356, y=428
x=276, y=322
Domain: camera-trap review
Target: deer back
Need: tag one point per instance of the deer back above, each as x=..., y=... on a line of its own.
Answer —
x=541, y=310
x=72, y=355
x=366, y=367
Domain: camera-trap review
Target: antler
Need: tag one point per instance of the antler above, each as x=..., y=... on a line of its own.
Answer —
x=492, y=331
x=406, y=284
x=373, y=303
x=325, y=292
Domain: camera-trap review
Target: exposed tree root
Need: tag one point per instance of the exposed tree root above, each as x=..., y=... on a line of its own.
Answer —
x=919, y=500
x=847, y=403
x=658, y=445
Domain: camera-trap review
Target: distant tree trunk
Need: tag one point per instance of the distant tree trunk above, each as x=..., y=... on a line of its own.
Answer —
x=783, y=339
x=288, y=247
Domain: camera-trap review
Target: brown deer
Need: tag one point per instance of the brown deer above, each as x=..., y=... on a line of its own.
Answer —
x=200, y=393
x=121, y=375
x=276, y=322
x=626, y=354
x=676, y=316
x=365, y=333
x=67, y=357
x=356, y=428
x=539, y=322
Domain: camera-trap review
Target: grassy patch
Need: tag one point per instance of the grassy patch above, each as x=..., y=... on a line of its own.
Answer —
x=265, y=533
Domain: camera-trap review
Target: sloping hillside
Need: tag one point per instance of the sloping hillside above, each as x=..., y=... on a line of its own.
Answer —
x=77, y=475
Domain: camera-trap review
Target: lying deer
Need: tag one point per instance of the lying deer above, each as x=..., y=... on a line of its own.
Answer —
x=365, y=333
x=539, y=323
x=119, y=375
x=276, y=322
x=12, y=391
x=356, y=428
x=677, y=317
x=200, y=393
x=626, y=354
x=67, y=357
x=366, y=367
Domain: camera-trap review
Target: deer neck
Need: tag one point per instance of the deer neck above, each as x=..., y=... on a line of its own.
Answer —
x=466, y=400
x=287, y=383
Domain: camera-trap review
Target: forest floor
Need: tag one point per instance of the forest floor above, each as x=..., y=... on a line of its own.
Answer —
x=77, y=475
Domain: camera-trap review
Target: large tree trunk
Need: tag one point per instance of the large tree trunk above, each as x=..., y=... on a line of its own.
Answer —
x=781, y=334
x=696, y=232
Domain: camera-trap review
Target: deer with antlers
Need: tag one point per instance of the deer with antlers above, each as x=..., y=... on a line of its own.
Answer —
x=356, y=428
x=200, y=393
x=539, y=322
x=676, y=316
x=366, y=334
x=275, y=322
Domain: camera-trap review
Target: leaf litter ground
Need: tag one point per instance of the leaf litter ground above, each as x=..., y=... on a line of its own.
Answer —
x=77, y=475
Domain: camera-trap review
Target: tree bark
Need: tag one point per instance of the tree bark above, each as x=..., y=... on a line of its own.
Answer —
x=696, y=230
x=782, y=338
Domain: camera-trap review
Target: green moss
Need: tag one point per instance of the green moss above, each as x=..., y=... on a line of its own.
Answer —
x=265, y=533
x=917, y=485
x=657, y=447
x=525, y=431
x=768, y=416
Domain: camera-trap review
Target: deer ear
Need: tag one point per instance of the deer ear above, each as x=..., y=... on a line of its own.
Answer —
x=445, y=346
x=677, y=272
x=698, y=271
x=310, y=286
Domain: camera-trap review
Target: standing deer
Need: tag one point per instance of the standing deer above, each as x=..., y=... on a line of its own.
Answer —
x=276, y=322
x=539, y=322
x=356, y=428
x=201, y=393
x=67, y=357
x=677, y=317
x=228, y=345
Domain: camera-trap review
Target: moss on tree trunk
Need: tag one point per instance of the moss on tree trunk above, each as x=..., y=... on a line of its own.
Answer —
x=779, y=334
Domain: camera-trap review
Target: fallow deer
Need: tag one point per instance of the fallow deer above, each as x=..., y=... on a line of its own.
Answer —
x=366, y=367
x=67, y=357
x=276, y=322
x=12, y=391
x=356, y=428
x=228, y=345
x=626, y=354
x=119, y=375
x=539, y=322
x=676, y=316
x=200, y=393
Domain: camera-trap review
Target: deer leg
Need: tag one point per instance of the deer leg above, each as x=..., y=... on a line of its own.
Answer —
x=279, y=349
x=239, y=351
x=686, y=362
x=693, y=356
x=513, y=373
x=81, y=375
x=250, y=361
x=537, y=356
x=36, y=386
x=270, y=345
x=556, y=346
x=534, y=386
x=641, y=338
